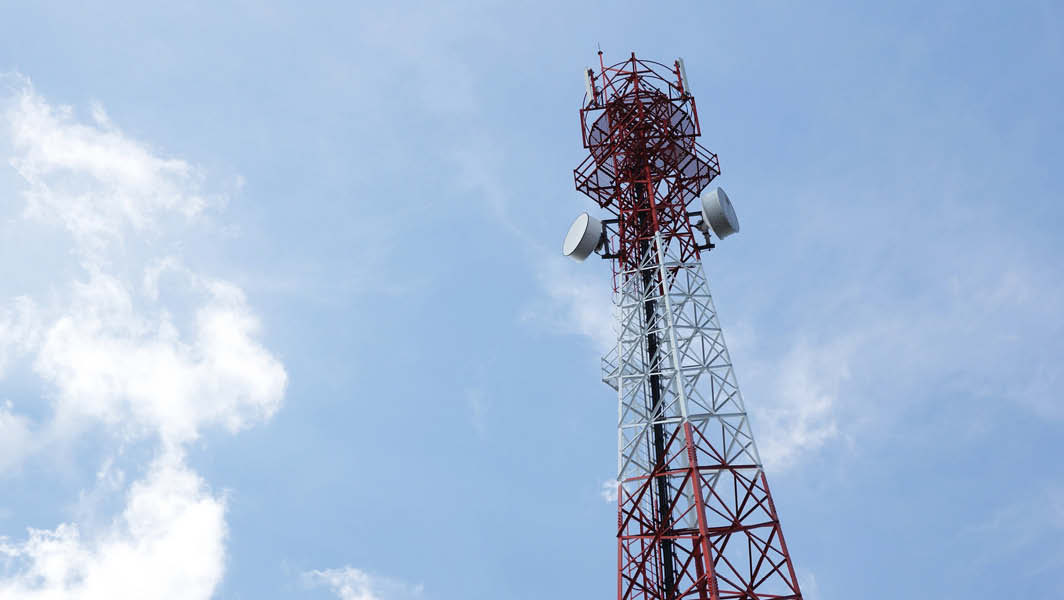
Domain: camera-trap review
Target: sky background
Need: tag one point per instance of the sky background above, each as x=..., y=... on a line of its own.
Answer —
x=283, y=312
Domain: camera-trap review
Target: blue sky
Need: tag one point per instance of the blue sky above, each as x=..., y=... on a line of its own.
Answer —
x=283, y=314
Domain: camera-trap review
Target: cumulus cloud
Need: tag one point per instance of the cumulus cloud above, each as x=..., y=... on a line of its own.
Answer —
x=132, y=358
x=110, y=363
x=168, y=542
x=349, y=583
x=114, y=352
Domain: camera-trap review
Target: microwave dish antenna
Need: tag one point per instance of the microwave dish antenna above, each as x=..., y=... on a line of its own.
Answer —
x=718, y=212
x=584, y=237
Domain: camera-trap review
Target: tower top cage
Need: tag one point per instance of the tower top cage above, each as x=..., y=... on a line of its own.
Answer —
x=639, y=123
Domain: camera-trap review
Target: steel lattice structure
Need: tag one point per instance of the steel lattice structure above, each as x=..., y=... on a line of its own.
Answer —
x=695, y=515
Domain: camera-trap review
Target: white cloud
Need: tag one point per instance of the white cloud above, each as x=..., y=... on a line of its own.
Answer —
x=796, y=400
x=349, y=583
x=19, y=333
x=92, y=178
x=20, y=329
x=807, y=581
x=855, y=370
x=168, y=542
x=608, y=491
x=478, y=405
x=16, y=437
x=111, y=363
x=113, y=354
x=123, y=357
x=576, y=305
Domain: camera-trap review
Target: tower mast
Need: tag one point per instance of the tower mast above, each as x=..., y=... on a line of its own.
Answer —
x=694, y=513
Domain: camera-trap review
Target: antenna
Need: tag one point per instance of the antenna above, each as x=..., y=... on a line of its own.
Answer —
x=717, y=210
x=589, y=86
x=683, y=76
x=586, y=235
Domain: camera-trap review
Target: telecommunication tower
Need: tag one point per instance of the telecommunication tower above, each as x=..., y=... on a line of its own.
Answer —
x=695, y=518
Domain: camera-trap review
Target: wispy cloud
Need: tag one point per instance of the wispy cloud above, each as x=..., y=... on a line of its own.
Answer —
x=16, y=437
x=808, y=583
x=608, y=491
x=90, y=177
x=858, y=370
x=575, y=303
x=349, y=583
x=796, y=414
x=478, y=404
x=20, y=329
x=1030, y=526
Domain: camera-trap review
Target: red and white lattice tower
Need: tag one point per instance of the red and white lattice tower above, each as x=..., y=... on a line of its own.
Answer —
x=694, y=513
